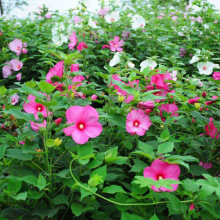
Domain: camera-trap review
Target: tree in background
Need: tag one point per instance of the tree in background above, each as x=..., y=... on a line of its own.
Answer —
x=8, y=5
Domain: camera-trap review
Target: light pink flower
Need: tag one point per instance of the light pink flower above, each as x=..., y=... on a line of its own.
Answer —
x=7, y=70
x=81, y=46
x=174, y=18
x=94, y=97
x=86, y=123
x=18, y=76
x=146, y=105
x=199, y=19
x=137, y=122
x=103, y=11
x=57, y=70
x=77, y=19
x=48, y=15
x=194, y=100
x=73, y=40
x=125, y=34
x=78, y=79
x=211, y=130
x=205, y=165
x=34, y=108
x=214, y=97
x=216, y=75
x=24, y=50
x=169, y=108
x=74, y=67
x=16, y=64
x=14, y=99
x=162, y=170
x=36, y=126
x=16, y=46
x=116, y=44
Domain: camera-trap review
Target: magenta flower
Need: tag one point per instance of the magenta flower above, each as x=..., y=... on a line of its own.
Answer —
x=86, y=123
x=18, y=76
x=73, y=40
x=7, y=70
x=94, y=97
x=14, y=99
x=36, y=126
x=216, y=75
x=211, y=130
x=105, y=46
x=34, y=108
x=116, y=44
x=16, y=46
x=78, y=79
x=81, y=46
x=169, y=108
x=24, y=50
x=192, y=206
x=74, y=67
x=206, y=165
x=57, y=70
x=162, y=170
x=159, y=81
x=58, y=121
x=16, y=64
x=137, y=122
x=194, y=100
x=146, y=105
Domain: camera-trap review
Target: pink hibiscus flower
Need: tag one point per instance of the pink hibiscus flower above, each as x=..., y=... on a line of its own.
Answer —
x=73, y=40
x=16, y=46
x=169, y=108
x=7, y=70
x=159, y=81
x=137, y=122
x=205, y=165
x=34, y=108
x=211, y=130
x=16, y=64
x=36, y=126
x=15, y=99
x=82, y=45
x=77, y=19
x=57, y=70
x=194, y=100
x=103, y=11
x=18, y=76
x=74, y=67
x=116, y=44
x=216, y=75
x=86, y=123
x=162, y=170
x=78, y=79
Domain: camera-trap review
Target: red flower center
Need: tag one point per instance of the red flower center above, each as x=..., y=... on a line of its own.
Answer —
x=18, y=66
x=81, y=126
x=142, y=25
x=160, y=176
x=112, y=19
x=136, y=123
x=39, y=108
x=18, y=48
x=205, y=68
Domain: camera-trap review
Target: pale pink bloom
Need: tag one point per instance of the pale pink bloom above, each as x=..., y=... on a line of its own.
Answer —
x=214, y=97
x=16, y=46
x=160, y=17
x=7, y=70
x=34, y=108
x=116, y=44
x=85, y=121
x=48, y=15
x=211, y=130
x=194, y=100
x=199, y=19
x=18, y=76
x=16, y=64
x=81, y=46
x=73, y=40
x=169, y=108
x=205, y=165
x=103, y=11
x=215, y=21
x=192, y=206
x=36, y=126
x=74, y=67
x=216, y=75
x=14, y=99
x=162, y=170
x=173, y=75
x=146, y=105
x=162, y=14
x=174, y=18
x=94, y=97
x=24, y=44
x=77, y=19
x=78, y=79
x=137, y=122
x=125, y=34
x=24, y=50
x=57, y=70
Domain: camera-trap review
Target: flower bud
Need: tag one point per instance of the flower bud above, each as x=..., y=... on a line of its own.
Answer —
x=121, y=98
x=197, y=105
x=204, y=94
x=58, y=121
x=57, y=142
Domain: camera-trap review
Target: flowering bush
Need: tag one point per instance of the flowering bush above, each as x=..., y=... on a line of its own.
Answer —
x=113, y=114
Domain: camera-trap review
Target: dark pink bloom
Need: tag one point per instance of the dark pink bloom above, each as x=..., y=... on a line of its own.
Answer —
x=21, y=142
x=125, y=34
x=73, y=40
x=24, y=50
x=105, y=46
x=193, y=120
x=205, y=165
x=146, y=105
x=94, y=97
x=16, y=46
x=74, y=67
x=86, y=123
x=15, y=99
x=18, y=76
x=116, y=44
x=216, y=75
x=36, y=126
x=78, y=79
x=148, y=111
x=159, y=81
x=214, y=97
x=57, y=70
x=16, y=64
x=162, y=170
x=210, y=102
x=211, y=130
x=194, y=100
x=137, y=122
x=34, y=108
x=81, y=46
x=169, y=108
x=192, y=206
x=58, y=121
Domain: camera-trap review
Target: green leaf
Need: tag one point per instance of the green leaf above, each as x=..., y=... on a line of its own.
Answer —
x=85, y=152
x=154, y=217
x=197, y=170
x=146, y=148
x=30, y=179
x=41, y=182
x=117, y=119
x=35, y=195
x=127, y=216
x=3, y=90
x=14, y=185
x=60, y=199
x=20, y=115
x=78, y=209
x=113, y=189
x=46, y=87
x=17, y=153
x=21, y=196
x=165, y=148
x=138, y=166
x=165, y=134
x=97, y=176
x=2, y=150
